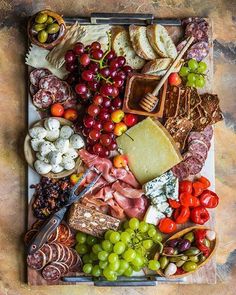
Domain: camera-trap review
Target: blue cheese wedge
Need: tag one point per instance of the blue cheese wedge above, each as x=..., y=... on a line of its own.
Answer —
x=153, y=215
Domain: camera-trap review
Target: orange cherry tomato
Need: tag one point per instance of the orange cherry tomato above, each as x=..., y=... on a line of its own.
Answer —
x=206, y=183
x=117, y=116
x=181, y=215
x=198, y=188
x=120, y=161
x=74, y=178
x=71, y=114
x=185, y=186
x=167, y=225
x=57, y=110
x=119, y=129
x=174, y=204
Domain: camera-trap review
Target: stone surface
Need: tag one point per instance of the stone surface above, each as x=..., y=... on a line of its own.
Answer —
x=13, y=125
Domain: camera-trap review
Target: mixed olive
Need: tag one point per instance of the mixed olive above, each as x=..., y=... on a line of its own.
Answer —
x=185, y=254
x=45, y=27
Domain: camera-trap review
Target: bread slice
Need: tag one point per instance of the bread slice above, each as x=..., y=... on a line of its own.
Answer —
x=159, y=66
x=122, y=46
x=161, y=41
x=141, y=45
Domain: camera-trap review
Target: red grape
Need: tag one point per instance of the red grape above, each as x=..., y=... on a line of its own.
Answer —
x=118, y=81
x=103, y=115
x=105, y=139
x=78, y=48
x=115, y=92
x=94, y=134
x=121, y=61
x=86, y=95
x=84, y=59
x=108, y=126
x=97, y=125
x=94, y=67
x=112, y=146
x=93, y=85
x=106, y=102
x=113, y=73
x=116, y=102
x=104, y=153
x=106, y=89
x=87, y=75
x=70, y=56
x=111, y=55
x=112, y=109
x=85, y=132
x=91, y=141
x=114, y=64
x=130, y=120
x=96, y=53
x=81, y=88
x=97, y=148
x=71, y=67
x=71, y=78
x=105, y=72
x=89, y=148
x=97, y=99
x=121, y=75
x=88, y=121
x=93, y=110
x=95, y=45
x=127, y=69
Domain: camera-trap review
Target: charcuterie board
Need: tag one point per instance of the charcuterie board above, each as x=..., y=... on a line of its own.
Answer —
x=74, y=222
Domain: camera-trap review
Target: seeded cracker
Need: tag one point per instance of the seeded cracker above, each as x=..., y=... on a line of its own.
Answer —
x=172, y=102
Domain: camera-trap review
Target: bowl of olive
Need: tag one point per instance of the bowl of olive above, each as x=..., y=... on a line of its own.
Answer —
x=186, y=251
x=46, y=29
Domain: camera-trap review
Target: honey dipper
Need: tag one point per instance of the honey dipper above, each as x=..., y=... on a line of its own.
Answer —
x=149, y=102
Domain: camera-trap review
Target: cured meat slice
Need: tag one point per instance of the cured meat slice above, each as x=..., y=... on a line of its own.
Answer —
x=198, y=51
x=50, y=83
x=198, y=147
x=62, y=252
x=33, y=89
x=208, y=132
x=37, y=260
x=47, y=250
x=51, y=273
x=195, y=154
x=70, y=259
x=77, y=263
x=199, y=136
x=181, y=171
x=43, y=99
x=56, y=251
x=194, y=165
x=37, y=74
x=54, y=235
x=63, y=93
x=62, y=266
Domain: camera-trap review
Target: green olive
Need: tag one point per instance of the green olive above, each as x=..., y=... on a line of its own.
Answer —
x=189, y=266
x=184, y=257
x=53, y=28
x=50, y=20
x=41, y=18
x=164, y=261
x=189, y=236
x=175, y=259
x=192, y=251
x=194, y=258
x=202, y=258
x=207, y=243
x=42, y=36
x=180, y=263
x=39, y=27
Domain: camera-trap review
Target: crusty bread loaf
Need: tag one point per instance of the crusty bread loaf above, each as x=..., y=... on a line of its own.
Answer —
x=161, y=41
x=122, y=45
x=159, y=66
x=141, y=45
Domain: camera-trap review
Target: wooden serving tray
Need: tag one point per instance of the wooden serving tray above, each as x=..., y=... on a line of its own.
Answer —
x=206, y=274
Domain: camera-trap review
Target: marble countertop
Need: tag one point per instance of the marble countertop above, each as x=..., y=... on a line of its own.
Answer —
x=13, y=44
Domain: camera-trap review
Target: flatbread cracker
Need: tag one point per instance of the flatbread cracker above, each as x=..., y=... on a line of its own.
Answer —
x=172, y=102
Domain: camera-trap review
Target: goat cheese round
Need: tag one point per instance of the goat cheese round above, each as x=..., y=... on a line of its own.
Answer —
x=35, y=143
x=41, y=167
x=68, y=162
x=57, y=168
x=76, y=141
x=55, y=157
x=72, y=153
x=52, y=135
x=42, y=158
x=51, y=124
x=37, y=132
x=66, y=132
x=46, y=147
x=62, y=145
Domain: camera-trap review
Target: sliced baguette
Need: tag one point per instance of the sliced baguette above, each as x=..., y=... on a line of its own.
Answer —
x=159, y=66
x=122, y=46
x=141, y=45
x=161, y=41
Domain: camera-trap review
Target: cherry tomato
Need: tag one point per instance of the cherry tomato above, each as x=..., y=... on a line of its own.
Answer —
x=174, y=79
x=57, y=110
x=186, y=199
x=185, y=186
x=117, y=116
x=130, y=119
x=120, y=161
x=167, y=225
x=196, y=202
x=71, y=114
x=206, y=183
x=198, y=188
x=120, y=128
x=174, y=204
x=199, y=215
x=209, y=199
x=181, y=215
x=74, y=178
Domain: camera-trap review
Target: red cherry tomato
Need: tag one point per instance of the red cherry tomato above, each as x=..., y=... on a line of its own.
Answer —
x=181, y=215
x=71, y=114
x=167, y=225
x=198, y=188
x=130, y=119
x=57, y=110
x=174, y=79
x=199, y=215
x=186, y=199
x=185, y=186
x=209, y=199
x=206, y=183
x=174, y=204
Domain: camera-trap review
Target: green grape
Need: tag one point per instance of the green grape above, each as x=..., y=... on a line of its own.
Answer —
x=108, y=233
x=135, y=240
x=87, y=259
x=126, y=224
x=152, y=232
x=109, y=274
x=136, y=268
x=200, y=81
x=130, y=232
x=202, y=66
x=113, y=257
x=123, y=264
x=153, y=265
x=103, y=264
x=191, y=84
x=129, y=255
x=93, y=256
x=147, y=244
x=134, y=223
x=128, y=272
x=157, y=237
x=87, y=268
x=114, y=237
x=114, y=265
x=138, y=260
x=125, y=237
x=96, y=248
x=91, y=240
x=107, y=245
x=184, y=71
x=143, y=227
x=191, y=77
x=119, y=247
x=192, y=64
x=103, y=255
x=81, y=249
x=81, y=237
x=96, y=271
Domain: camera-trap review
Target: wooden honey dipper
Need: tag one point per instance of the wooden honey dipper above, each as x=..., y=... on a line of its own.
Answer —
x=149, y=102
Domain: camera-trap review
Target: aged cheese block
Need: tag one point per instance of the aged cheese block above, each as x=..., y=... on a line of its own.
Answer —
x=91, y=221
x=150, y=149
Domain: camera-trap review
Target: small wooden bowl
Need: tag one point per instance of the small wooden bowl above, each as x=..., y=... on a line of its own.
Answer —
x=30, y=154
x=61, y=33
x=179, y=235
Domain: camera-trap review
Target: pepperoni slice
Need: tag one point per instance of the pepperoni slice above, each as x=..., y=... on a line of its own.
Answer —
x=51, y=273
x=43, y=99
x=38, y=74
x=37, y=260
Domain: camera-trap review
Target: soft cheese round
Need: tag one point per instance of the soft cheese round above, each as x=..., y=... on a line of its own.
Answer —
x=37, y=132
x=42, y=167
x=57, y=168
x=55, y=157
x=72, y=153
x=68, y=162
x=52, y=135
x=62, y=145
x=46, y=147
x=76, y=141
x=42, y=158
x=35, y=143
x=66, y=132
x=51, y=124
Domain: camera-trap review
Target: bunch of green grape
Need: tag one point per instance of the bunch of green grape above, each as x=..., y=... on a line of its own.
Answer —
x=120, y=252
x=193, y=73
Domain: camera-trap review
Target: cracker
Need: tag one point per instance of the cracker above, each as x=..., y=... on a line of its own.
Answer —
x=172, y=102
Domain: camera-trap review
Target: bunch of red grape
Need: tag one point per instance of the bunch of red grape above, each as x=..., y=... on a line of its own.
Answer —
x=98, y=79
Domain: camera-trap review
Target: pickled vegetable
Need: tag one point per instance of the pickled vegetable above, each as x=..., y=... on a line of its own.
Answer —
x=39, y=27
x=189, y=236
x=42, y=36
x=50, y=20
x=207, y=243
x=41, y=18
x=192, y=251
x=53, y=28
x=168, y=251
x=189, y=266
x=163, y=262
x=194, y=258
x=171, y=269
x=184, y=245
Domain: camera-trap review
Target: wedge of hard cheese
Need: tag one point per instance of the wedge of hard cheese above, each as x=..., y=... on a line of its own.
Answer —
x=150, y=149
x=91, y=221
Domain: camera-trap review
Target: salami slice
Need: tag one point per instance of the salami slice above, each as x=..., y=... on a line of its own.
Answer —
x=51, y=273
x=195, y=154
x=70, y=259
x=198, y=51
x=208, y=132
x=47, y=250
x=37, y=74
x=50, y=83
x=181, y=171
x=56, y=251
x=33, y=89
x=42, y=99
x=37, y=260
x=63, y=92
x=68, y=256
x=63, y=252
x=193, y=136
x=194, y=165
x=77, y=266
x=63, y=268
x=199, y=147
x=54, y=235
